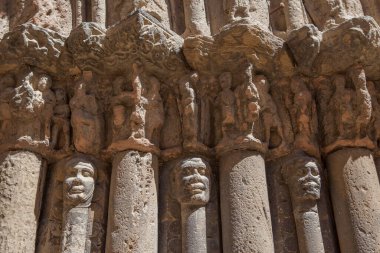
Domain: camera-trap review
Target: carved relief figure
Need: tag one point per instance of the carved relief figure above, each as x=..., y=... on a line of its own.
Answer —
x=137, y=118
x=119, y=103
x=363, y=101
x=247, y=104
x=33, y=100
x=189, y=110
x=301, y=174
x=61, y=120
x=342, y=101
x=268, y=110
x=155, y=113
x=192, y=190
x=226, y=101
x=304, y=112
x=86, y=120
x=49, y=100
x=78, y=192
x=7, y=84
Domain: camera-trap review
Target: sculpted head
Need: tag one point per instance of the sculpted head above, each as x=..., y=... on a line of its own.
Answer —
x=225, y=80
x=44, y=82
x=79, y=182
x=302, y=176
x=60, y=94
x=192, y=181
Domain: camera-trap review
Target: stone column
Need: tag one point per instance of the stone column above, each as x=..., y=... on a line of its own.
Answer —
x=193, y=222
x=133, y=208
x=246, y=220
x=301, y=174
x=22, y=176
x=195, y=18
x=355, y=192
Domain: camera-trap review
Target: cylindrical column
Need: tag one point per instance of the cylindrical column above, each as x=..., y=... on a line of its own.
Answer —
x=195, y=18
x=194, y=238
x=246, y=220
x=309, y=229
x=355, y=192
x=74, y=235
x=22, y=176
x=133, y=209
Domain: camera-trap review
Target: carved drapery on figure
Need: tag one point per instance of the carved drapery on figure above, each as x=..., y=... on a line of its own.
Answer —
x=268, y=93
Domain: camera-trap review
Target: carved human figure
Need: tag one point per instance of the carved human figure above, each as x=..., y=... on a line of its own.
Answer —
x=304, y=111
x=268, y=110
x=189, y=110
x=32, y=105
x=191, y=184
x=87, y=120
x=247, y=104
x=363, y=100
x=195, y=18
x=120, y=101
x=226, y=101
x=301, y=174
x=78, y=191
x=61, y=120
x=342, y=101
x=44, y=87
x=138, y=115
x=7, y=84
x=155, y=113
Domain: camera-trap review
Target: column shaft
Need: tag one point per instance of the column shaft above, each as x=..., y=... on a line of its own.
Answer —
x=355, y=192
x=22, y=176
x=132, y=214
x=246, y=224
x=194, y=239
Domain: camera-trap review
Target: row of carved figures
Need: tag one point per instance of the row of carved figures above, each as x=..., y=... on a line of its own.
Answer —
x=194, y=17
x=291, y=114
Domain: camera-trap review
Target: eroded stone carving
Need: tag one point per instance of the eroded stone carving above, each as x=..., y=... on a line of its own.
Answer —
x=86, y=119
x=301, y=174
x=74, y=218
x=192, y=191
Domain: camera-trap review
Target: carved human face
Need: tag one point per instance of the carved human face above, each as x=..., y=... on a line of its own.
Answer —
x=192, y=184
x=44, y=83
x=225, y=80
x=79, y=182
x=60, y=94
x=305, y=181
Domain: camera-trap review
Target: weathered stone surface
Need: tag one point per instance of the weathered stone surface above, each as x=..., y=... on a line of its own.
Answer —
x=167, y=90
x=22, y=178
x=244, y=198
x=133, y=210
x=354, y=189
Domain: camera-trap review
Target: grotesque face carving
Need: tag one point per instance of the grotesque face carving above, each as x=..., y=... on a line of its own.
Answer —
x=192, y=182
x=303, y=179
x=79, y=182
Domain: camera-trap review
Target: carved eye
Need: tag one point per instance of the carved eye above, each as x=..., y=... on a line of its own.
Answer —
x=202, y=171
x=86, y=173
